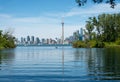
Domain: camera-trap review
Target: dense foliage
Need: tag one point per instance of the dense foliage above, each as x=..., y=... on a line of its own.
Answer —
x=79, y=44
x=104, y=30
x=105, y=27
x=6, y=40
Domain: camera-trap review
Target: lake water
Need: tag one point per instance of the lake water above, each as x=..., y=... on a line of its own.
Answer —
x=62, y=64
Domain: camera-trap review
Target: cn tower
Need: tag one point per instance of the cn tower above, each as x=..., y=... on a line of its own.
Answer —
x=62, y=31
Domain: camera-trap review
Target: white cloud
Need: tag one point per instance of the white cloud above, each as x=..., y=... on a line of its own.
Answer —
x=5, y=16
x=34, y=20
x=93, y=10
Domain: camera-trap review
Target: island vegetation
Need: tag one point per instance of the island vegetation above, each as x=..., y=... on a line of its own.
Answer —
x=101, y=32
x=6, y=40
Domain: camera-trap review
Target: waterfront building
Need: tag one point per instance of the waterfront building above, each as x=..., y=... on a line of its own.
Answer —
x=22, y=40
x=66, y=41
x=17, y=41
x=28, y=40
x=54, y=42
x=76, y=35
x=47, y=41
x=81, y=34
x=37, y=40
x=59, y=41
x=50, y=41
x=71, y=39
x=44, y=41
x=32, y=39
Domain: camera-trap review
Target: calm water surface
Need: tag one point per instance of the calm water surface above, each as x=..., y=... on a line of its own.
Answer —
x=48, y=64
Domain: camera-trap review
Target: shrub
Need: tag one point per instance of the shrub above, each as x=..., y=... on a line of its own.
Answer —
x=91, y=44
x=79, y=44
x=117, y=42
x=100, y=44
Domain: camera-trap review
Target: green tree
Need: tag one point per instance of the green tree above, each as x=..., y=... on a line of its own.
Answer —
x=6, y=40
x=107, y=23
x=89, y=29
x=117, y=24
x=107, y=27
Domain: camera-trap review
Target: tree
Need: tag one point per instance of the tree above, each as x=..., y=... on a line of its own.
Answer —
x=111, y=2
x=89, y=29
x=106, y=27
x=6, y=40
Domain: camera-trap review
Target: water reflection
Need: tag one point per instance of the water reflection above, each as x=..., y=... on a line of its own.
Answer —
x=100, y=63
x=104, y=63
x=78, y=54
x=63, y=63
x=7, y=57
x=112, y=62
x=63, y=59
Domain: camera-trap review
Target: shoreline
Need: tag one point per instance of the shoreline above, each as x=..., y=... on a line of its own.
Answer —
x=45, y=45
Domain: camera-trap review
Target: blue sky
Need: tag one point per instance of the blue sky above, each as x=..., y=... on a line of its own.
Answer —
x=42, y=18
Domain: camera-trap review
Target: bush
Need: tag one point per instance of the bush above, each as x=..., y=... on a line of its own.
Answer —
x=79, y=44
x=6, y=40
x=100, y=44
x=117, y=42
x=91, y=44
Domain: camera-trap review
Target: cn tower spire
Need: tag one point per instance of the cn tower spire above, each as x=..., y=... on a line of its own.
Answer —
x=62, y=31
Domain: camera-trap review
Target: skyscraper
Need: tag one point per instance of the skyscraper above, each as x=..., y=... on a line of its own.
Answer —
x=32, y=39
x=76, y=35
x=81, y=33
x=22, y=40
x=28, y=38
x=37, y=40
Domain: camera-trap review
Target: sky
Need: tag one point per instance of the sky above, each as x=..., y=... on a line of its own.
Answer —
x=42, y=18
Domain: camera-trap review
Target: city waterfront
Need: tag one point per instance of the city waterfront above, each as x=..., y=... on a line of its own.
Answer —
x=61, y=64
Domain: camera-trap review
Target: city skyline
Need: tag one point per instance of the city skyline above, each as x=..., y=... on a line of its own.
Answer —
x=33, y=40
x=42, y=18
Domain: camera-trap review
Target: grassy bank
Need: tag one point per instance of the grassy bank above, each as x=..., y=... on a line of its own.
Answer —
x=95, y=44
x=111, y=45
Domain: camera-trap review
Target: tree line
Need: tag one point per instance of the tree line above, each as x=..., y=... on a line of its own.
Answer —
x=102, y=30
x=6, y=40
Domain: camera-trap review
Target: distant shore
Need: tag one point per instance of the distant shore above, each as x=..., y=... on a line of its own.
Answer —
x=44, y=45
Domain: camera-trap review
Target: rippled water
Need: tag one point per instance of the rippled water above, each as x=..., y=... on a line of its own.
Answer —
x=50, y=64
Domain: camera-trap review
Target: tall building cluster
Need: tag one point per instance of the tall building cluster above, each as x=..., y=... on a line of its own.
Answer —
x=77, y=35
x=32, y=40
x=29, y=40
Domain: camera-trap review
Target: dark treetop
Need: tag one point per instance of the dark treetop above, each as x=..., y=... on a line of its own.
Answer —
x=111, y=2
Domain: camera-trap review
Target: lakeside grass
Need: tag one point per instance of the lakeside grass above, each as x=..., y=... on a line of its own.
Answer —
x=111, y=45
x=1, y=48
x=95, y=44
